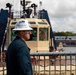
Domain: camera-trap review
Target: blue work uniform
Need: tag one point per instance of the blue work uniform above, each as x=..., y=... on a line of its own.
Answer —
x=18, y=58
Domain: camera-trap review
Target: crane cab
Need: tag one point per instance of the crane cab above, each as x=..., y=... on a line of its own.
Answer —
x=40, y=37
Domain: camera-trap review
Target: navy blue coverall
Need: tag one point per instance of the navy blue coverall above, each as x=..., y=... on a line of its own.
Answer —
x=18, y=58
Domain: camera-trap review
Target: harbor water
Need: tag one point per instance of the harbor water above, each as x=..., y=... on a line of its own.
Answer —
x=70, y=49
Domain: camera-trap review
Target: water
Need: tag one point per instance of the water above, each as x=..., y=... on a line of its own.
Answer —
x=70, y=49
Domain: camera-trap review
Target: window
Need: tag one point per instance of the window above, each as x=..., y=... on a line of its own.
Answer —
x=33, y=36
x=13, y=23
x=32, y=22
x=12, y=34
x=43, y=34
x=42, y=23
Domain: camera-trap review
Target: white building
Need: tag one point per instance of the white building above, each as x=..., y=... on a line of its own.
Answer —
x=65, y=37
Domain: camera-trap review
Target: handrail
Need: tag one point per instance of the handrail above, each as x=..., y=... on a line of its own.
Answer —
x=51, y=53
x=66, y=63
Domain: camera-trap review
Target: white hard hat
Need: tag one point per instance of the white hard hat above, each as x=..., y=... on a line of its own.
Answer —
x=22, y=25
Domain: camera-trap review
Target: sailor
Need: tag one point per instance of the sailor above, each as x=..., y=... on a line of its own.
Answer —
x=42, y=35
x=18, y=60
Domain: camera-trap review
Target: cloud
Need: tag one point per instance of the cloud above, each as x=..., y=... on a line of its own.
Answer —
x=62, y=8
x=62, y=13
x=64, y=24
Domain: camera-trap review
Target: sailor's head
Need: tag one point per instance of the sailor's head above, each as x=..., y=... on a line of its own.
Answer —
x=42, y=35
x=23, y=29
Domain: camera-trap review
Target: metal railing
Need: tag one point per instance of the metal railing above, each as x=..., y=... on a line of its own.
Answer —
x=54, y=63
x=51, y=63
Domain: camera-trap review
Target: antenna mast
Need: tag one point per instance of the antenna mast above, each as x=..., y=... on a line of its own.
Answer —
x=24, y=4
x=40, y=4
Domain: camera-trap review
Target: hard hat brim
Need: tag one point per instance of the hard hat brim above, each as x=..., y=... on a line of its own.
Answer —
x=18, y=29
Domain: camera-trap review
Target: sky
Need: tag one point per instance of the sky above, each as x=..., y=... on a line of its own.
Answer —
x=62, y=13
